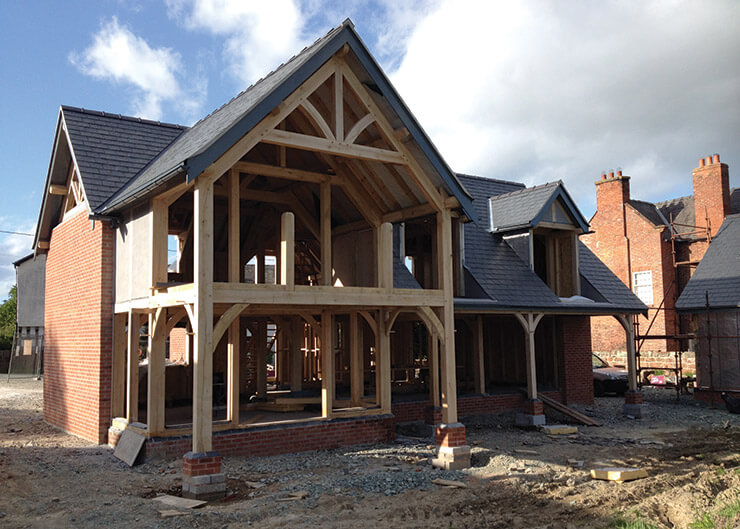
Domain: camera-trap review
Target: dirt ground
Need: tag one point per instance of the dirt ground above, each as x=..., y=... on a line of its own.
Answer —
x=519, y=478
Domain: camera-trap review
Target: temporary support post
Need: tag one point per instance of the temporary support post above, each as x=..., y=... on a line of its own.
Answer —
x=233, y=344
x=287, y=250
x=203, y=339
x=156, y=372
x=120, y=338
x=132, y=363
x=479, y=358
x=356, y=362
x=327, y=364
x=326, y=264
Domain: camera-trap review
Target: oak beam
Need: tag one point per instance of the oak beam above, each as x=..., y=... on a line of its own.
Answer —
x=232, y=372
x=118, y=394
x=234, y=226
x=325, y=223
x=385, y=257
x=57, y=189
x=287, y=250
x=383, y=369
x=447, y=355
x=327, y=364
x=156, y=372
x=356, y=361
x=285, y=173
x=296, y=354
x=339, y=106
x=132, y=363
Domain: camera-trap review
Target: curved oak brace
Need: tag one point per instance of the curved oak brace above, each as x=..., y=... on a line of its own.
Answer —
x=313, y=115
x=358, y=127
x=392, y=317
x=191, y=315
x=225, y=320
x=370, y=321
x=175, y=319
x=311, y=321
x=432, y=321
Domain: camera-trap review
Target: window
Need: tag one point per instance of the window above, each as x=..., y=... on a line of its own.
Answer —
x=642, y=286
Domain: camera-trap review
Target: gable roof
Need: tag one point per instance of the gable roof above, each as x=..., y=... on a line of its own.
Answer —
x=718, y=272
x=106, y=149
x=682, y=209
x=497, y=279
x=526, y=208
x=208, y=139
x=650, y=212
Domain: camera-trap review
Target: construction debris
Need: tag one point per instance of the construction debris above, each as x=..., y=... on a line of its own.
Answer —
x=449, y=483
x=179, y=503
x=559, y=429
x=526, y=452
x=295, y=496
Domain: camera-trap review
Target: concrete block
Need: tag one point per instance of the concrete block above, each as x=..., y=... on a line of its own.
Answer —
x=452, y=458
x=635, y=410
x=524, y=419
x=218, y=478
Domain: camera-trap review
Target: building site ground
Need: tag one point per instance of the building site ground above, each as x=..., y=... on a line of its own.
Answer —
x=519, y=478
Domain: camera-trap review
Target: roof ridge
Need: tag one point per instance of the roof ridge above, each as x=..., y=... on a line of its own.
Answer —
x=491, y=179
x=528, y=189
x=100, y=113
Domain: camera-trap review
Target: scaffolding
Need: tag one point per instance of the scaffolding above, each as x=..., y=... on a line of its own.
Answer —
x=677, y=337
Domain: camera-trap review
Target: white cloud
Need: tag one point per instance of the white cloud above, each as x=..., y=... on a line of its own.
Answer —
x=258, y=35
x=118, y=55
x=541, y=91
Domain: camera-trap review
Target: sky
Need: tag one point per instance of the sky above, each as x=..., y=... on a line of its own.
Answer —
x=531, y=91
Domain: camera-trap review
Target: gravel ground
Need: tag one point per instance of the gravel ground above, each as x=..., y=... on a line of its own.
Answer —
x=44, y=471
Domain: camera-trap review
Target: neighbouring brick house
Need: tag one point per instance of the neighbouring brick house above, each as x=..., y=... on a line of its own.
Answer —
x=635, y=240
x=315, y=227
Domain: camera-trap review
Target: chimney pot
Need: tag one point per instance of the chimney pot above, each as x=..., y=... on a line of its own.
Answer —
x=619, y=172
x=709, y=160
x=716, y=158
x=701, y=162
x=611, y=174
x=603, y=176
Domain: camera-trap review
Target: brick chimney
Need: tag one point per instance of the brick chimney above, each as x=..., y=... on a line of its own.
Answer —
x=612, y=191
x=711, y=192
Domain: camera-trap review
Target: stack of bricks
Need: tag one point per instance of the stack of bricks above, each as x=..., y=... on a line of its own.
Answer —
x=203, y=477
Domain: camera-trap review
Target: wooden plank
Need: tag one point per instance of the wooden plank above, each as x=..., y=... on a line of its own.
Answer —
x=57, y=189
x=326, y=242
x=570, y=412
x=203, y=338
x=129, y=447
x=356, y=362
x=314, y=143
x=156, y=372
x=327, y=364
x=287, y=250
x=618, y=474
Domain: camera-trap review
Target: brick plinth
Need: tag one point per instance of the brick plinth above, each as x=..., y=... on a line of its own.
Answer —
x=633, y=397
x=203, y=477
x=633, y=404
x=534, y=407
x=452, y=453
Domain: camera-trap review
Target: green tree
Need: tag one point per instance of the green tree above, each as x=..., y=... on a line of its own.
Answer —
x=7, y=319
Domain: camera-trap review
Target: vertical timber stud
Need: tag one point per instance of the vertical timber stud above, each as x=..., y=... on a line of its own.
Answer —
x=132, y=362
x=356, y=361
x=156, y=373
x=233, y=344
x=383, y=370
x=633, y=400
x=120, y=337
x=327, y=364
x=480, y=365
x=385, y=256
x=159, y=242
x=261, y=346
x=287, y=250
x=203, y=339
x=434, y=368
x=326, y=264
x=453, y=452
x=296, y=354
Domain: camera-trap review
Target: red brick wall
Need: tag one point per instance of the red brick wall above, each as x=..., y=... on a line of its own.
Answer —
x=78, y=328
x=711, y=192
x=576, y=373
x=273, y=440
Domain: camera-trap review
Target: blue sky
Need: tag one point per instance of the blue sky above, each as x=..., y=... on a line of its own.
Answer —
x=528, y=91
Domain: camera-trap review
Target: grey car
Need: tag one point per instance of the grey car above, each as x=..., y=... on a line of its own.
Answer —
x=608, y=379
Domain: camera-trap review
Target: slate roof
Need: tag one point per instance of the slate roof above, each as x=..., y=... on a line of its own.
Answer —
x=650, y=211
x=718, y=272
x=682, y=209
x=110, y=149
x=523, y=208
x=501, y=280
